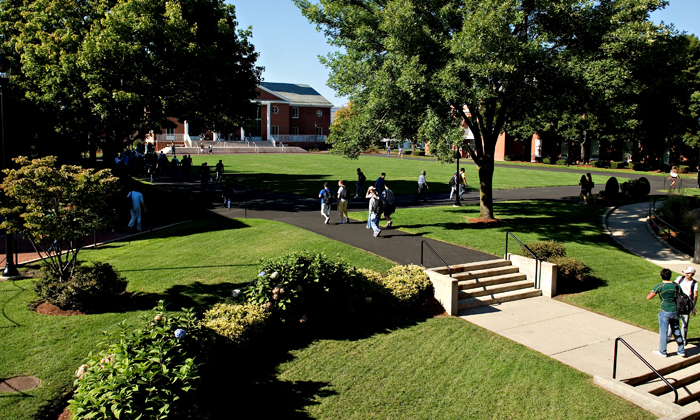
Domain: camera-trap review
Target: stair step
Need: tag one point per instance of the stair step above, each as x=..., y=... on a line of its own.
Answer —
x=495, y=289
x=478, y=265
x=686, y=393
x=651, y=376
x=678, y=379
x=489, y=281
x=488, y=272
x=475, y=302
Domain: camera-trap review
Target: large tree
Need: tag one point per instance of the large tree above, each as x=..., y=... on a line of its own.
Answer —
x=486, y=64
x=102, y=69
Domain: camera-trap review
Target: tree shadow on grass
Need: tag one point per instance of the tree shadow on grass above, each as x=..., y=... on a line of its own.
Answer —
x=573, y=286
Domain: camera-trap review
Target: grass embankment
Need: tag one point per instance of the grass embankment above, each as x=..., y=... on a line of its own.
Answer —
x=437, y=368
x=623, y=279
x=304, y=174
x=195, y=264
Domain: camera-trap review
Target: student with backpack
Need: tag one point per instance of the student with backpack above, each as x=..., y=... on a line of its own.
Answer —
x=375, y=209
x=343, y=202
x=326, y=196
x=668, y=313
x=689, y=287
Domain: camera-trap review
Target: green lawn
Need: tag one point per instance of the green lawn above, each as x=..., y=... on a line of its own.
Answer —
x=195, y=264
x=437, y=368
x=305, y=174
x=624, y=278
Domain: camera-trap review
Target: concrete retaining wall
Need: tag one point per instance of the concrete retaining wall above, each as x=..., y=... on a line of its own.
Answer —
x=548, y=277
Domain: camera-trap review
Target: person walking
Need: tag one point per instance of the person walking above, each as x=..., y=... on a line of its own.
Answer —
x=204, y=175
x=422, y=187
x=374, y=210
x=454, y=183
x=361, y=178
x=463, y=185
x=219, y=168
x=583, y=182
x=589, y=185
x=673, y=177
x=343, y=202
x=690, y=287
x=400, y=151
x=326, y=196
x=668, y=315
x=379, y=183
x=389, y=202
x=137, y=207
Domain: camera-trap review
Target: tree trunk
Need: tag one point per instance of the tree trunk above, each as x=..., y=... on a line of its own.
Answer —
x=486, y=189
x=583, y=147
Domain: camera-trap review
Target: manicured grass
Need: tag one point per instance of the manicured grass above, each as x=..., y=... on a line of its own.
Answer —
x=194, y=264
x=623, y=278
x=442, y=368
x=304, y=174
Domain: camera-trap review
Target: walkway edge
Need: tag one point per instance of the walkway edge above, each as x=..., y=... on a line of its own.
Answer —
x=666, y=244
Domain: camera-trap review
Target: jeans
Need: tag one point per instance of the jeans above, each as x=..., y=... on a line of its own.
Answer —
x=666, y=320
x=683, y=321
x=135, y=218
x=374, y=219
x=360, y=189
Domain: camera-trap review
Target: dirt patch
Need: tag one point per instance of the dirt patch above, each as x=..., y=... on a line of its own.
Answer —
x=65, y=415
x=433, y=308
x=483, y=223
x=46, y=308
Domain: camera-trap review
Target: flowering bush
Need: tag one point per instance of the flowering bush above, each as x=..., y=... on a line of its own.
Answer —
x=92, y=287
x=146, y=373
x=236, y=322
x=306, y=284
x=404, y=285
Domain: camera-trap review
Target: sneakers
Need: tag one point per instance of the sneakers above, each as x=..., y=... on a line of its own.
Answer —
x=328, y=219
x=658, y=353
x=377, y=233
x=347, y=220
x=341, y=222
x=388, y=224
x=683, y=355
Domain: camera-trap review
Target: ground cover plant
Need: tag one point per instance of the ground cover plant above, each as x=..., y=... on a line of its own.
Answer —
x=304, y=174
x=190, y=265
x=619, y=282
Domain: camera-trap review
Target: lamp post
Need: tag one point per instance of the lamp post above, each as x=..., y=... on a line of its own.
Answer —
x=10, y=271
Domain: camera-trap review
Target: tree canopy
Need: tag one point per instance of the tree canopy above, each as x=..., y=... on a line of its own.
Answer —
x=489, y=65
x=101, y=70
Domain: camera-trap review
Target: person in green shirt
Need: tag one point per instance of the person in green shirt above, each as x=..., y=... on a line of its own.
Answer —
x=668, y=316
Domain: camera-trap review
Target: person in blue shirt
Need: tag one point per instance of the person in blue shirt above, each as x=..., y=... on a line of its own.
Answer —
x=326, y=196
x=136, y=207
x=379, y=184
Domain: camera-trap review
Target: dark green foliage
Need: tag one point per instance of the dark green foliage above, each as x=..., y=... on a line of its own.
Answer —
x=618, y=165
x=612, y=187
x=600, y=164
x=513, y=158
x=547, y=160
x=636, y=188
x=144, y=372
x=93, y=287
x=544, y=250
x=674, y=211
x=683, y=169
x=569, y=268
x=562, y=162
x=637, y=166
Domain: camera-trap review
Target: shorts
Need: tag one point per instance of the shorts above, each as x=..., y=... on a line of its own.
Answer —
x=342, y=207
x=326, y=209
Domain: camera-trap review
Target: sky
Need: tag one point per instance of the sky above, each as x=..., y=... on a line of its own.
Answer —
x=289, y=45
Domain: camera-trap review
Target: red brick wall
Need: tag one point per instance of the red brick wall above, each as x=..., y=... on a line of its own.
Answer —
x=308, y=121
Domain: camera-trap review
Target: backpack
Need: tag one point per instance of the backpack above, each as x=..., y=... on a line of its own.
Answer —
x=327, y=197
x=684, y=304
x=452, y=182
x=344, y=193
x=377, y=206
x=362, y=178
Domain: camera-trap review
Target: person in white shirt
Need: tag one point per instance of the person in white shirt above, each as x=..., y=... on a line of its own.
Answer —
x=690, y=287
x=343, y=202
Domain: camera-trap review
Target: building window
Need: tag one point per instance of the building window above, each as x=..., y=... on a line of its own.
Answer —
x=319, y=131
x=275, y=110
x=319, y=113
x=275, y=130
x=295, y=112
x=170, y=131
x=295, y=131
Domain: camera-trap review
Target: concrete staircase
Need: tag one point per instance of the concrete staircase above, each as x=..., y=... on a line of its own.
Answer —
x=684, y=376
x=488, y=282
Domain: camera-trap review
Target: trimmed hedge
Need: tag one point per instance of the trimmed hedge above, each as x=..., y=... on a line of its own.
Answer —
x=636, y=188
x=548, y=160
x=513, y=158
x=562, y=162
x=236, y=323
x=569, y=268
x=618, y=165
x=544, y=249
x=637, y=166
x=600, y=164
x=612, y=187
x=683, y=169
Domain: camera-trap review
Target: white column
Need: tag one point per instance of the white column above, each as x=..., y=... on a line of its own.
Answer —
x=187, y=128
x=242, y=133
x=269, y=127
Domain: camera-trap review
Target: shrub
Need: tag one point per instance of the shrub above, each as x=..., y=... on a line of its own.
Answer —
x=301, y=284
x=512, y=158
x=235, y=322
x=683, y=169
x=600, y=164
x=547, y=161
x=618, y=165
x=612, y=187
x=144, y=373
x=570, y=268
x=544, y=249
x=372, y=149
x=421, y=153
x=636, y=188
x=637, y=166
x=407, y=284
x=93, y=287
x=562, y=162
x=675, y=209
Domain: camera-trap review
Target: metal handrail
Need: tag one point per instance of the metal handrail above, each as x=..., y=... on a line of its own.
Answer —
x=538, y=271
x=436, y=254
x=675, y=187
x=652, y=212
x=675, y=392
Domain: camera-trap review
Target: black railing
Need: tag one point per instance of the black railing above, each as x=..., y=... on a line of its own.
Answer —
x=538, y=270
x=678, y=186
x=666, y=228
x=436, y=254
x=618, y=339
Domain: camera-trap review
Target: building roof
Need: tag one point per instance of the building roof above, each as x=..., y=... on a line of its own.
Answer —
x=296, y=94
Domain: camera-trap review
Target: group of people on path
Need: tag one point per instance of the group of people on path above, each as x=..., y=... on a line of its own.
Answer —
x=674, y=316
x=586, y=183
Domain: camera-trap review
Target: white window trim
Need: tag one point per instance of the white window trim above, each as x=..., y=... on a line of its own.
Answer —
x=295, y=112
x=275, y=130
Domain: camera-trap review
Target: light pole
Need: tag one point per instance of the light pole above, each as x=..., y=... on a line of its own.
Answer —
x=10, y=271
x=458, y=180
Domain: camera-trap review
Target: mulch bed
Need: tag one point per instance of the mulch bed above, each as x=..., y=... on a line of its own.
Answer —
x=433, y=308
x=65, y=415
x=46, y=308
x=481, y=223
